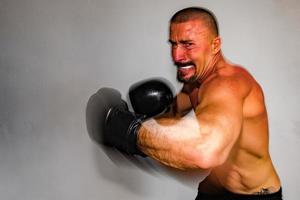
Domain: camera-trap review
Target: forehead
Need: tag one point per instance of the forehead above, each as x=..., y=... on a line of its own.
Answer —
x=188, y=30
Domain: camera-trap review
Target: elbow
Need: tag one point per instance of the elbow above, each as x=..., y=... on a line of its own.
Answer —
x=206, y=160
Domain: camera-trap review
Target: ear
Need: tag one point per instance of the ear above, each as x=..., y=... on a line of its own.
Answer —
x=216, y=45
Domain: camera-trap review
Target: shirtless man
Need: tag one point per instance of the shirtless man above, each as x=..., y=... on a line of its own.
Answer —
x=229, y=131
x=229, y=105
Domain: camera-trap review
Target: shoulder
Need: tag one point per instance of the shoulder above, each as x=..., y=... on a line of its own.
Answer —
x=230, y=81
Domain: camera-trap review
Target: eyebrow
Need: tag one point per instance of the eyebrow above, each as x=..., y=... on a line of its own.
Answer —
x=181, y=41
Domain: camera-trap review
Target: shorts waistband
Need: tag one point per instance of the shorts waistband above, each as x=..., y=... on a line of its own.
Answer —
x=234, y=196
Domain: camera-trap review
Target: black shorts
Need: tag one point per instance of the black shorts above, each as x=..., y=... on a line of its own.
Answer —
x=233, y=196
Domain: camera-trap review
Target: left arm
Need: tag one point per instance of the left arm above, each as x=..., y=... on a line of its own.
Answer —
x=202, y=139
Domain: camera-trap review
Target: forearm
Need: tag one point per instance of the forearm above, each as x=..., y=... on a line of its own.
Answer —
x=172, y=141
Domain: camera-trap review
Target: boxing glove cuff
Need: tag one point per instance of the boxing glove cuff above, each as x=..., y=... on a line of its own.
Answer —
x=121, y=130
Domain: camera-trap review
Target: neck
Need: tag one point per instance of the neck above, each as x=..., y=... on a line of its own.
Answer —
x=216, y=62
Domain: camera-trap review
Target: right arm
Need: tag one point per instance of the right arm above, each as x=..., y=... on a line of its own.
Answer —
x=180, y=106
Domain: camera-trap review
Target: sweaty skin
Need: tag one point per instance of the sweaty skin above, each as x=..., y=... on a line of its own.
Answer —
x=219, y=122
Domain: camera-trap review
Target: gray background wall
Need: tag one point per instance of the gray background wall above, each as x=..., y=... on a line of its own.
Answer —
x=55, y=54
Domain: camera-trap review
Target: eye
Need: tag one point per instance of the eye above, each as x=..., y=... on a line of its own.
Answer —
x=188, y=44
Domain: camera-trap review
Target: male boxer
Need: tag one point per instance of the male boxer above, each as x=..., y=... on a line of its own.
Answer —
x=218, y=121
x=229, y=105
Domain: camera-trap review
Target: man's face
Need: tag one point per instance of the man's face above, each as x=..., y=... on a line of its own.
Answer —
x=191, y=46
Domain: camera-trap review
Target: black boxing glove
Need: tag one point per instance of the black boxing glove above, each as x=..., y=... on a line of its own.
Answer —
x=97, y=109
x=110, y=123
x=121, y=129
x=151, y=97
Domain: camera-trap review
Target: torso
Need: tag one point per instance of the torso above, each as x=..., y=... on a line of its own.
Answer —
x=249, y=168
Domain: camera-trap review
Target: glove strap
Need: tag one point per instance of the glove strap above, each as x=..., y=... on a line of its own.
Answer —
x=132, y=134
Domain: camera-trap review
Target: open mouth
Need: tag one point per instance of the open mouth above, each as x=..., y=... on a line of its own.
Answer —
x=186, y=71
x=186, y=67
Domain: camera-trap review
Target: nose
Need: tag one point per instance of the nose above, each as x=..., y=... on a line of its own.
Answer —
x=178, y=54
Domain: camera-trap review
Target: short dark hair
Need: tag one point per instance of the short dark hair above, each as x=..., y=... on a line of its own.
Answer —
x=191, y=13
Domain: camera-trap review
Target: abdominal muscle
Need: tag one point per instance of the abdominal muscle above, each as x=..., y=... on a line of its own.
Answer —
x=242, y=173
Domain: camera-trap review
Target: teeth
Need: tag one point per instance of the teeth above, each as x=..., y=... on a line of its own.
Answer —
x=187, y=67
